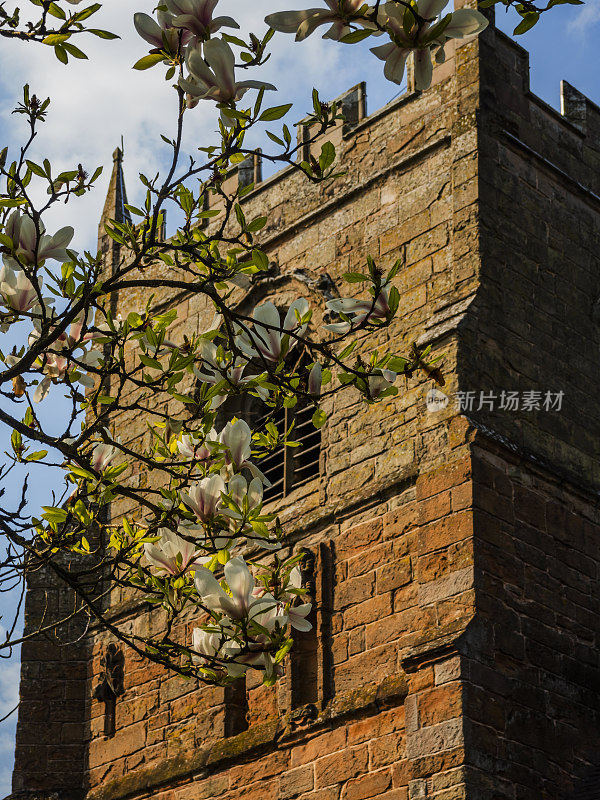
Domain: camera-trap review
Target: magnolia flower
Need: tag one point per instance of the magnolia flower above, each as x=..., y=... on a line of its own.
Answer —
x=267, y=336
x=206, y=644
x=297, y=614
x=407, y=35
x=241, y=601
x=239, y=491
x=55, y=366
x=236, y=437
x=163, y=35
x=172, y=555
x=379, y=383
x=212, y=647
x=315, y=378
x=370, y=311
x=303, y=23
x=17, y=290
x=102, y=455
x=214, y=372
x=213, y=77
x=196, y=17
x=199, y=452
x=28, y=248
x=204, y=498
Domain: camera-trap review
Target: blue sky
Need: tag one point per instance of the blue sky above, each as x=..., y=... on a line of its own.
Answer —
x=96, y=102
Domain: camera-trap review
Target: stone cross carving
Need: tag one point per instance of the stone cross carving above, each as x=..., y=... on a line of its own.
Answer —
x=110, y=686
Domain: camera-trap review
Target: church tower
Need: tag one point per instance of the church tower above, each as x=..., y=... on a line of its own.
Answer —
x=454, y=537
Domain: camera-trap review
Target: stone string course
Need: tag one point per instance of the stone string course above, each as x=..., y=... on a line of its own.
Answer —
x=457, y=556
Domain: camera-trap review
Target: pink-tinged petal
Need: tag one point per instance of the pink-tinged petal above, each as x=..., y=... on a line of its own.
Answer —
x=207, y=584
x=300, y=624
x=157, y=558
x=148, y=29
x=315, y=378
x=429, y=9
x=312, y=23
x=222, y=61
x=255, y=492
x=465, y=22
x=395, y=65
x=239, y=579
x=338, y=327
x=289, y=21
x=236, y=436
x=222, y=22
x=237, y=488
x=423, y=69
x=42, y=390
x=291, y=321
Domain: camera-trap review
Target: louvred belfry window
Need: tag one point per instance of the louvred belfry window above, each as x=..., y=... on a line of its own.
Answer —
x=290, y=467
x=286, y=467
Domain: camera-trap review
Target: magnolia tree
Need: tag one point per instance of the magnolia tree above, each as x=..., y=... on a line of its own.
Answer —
x=200, y=543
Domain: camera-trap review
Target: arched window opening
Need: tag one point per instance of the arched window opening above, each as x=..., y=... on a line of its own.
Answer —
x=236, y=707
x=304, y=657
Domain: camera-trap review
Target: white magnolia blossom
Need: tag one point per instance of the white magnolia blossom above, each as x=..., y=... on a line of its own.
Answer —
x=56, y=366
x=379, y=383
x=200, y=452
x=102, y=455
x=266, y=339
x=236, y=438
x=215, y=650
x=173, y=555
x=246, y=496
x=196, y=16
x=29, y=248
x=240, y=601
x=338, y=12
x=418, y=38
x=372, y=311
x=212, y=77
x=162, y=34
x=204, y=498
x=17, y=291
x=213, y=372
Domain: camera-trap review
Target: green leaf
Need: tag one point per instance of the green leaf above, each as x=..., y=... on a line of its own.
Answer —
x=355, y=36
x=319, y=418
x=528, y=21
x=150, y=362
x=9, y=202
x=327, y=156
x=61, y=54
x=276, y=112
x=146, y=62
x=260, y=260
x=56, y=38
x=275, y=139
x=103, y=34
x=74, y=51
x=37, y=456
x=355, y=277
x=56, y=11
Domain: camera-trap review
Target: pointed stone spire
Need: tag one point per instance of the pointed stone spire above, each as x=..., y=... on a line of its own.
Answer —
x=116, y=198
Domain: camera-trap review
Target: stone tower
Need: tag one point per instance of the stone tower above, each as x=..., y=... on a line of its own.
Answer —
x=455, y=550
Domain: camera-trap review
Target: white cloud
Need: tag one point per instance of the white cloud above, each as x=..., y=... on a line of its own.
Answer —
x=95, y=102
x=585, y=17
